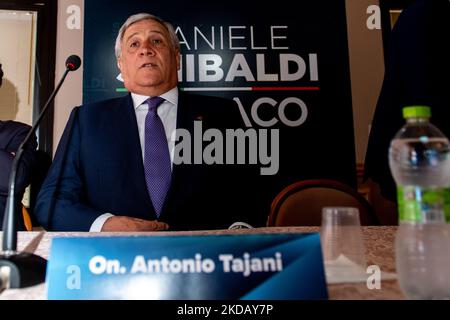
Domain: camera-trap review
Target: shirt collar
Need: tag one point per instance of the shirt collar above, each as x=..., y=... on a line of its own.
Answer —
x=170, y=96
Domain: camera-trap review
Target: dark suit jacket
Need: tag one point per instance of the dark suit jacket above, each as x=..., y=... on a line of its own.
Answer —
x=417, y=73
x=98, y=168
x=12, y=135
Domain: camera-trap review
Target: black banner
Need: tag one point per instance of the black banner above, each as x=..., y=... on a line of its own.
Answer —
x=285, y=64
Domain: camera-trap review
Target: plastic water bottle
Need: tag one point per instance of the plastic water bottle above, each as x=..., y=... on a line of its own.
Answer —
x=419, y=159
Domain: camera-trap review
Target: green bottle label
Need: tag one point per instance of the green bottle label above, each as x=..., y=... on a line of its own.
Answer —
x=447, y=204
x=416, y=204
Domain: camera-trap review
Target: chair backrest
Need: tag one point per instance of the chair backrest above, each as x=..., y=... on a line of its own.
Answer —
x=301, y=203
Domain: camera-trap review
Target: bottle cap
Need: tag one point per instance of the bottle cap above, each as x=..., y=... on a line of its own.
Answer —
x=416, y=112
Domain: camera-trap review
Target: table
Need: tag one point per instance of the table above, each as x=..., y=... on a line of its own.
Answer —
x=379, y=241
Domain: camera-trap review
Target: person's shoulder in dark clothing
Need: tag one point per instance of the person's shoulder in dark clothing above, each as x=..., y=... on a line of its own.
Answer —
x=212, y=111
x=12, y=134
x=413, y=73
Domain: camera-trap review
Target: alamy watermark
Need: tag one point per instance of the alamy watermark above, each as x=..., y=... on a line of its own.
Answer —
x=228, y=147
x=374, y=280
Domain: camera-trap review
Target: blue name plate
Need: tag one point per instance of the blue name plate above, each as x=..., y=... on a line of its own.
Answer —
x=255, y=266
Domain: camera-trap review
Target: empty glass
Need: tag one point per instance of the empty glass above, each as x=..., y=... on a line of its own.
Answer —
x=342, y=242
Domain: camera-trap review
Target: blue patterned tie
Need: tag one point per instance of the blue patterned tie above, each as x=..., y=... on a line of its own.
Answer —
x=156, y=156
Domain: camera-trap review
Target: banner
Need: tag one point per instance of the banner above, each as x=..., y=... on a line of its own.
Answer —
x=285, y=64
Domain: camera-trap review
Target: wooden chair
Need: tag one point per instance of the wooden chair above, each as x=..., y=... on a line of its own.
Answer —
x=27, y=219
x=301, y=203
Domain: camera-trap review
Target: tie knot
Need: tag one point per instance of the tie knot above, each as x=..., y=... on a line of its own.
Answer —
x=154, y=102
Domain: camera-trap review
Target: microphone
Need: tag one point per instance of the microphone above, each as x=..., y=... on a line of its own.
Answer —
x=73, y=62
x=25, y=269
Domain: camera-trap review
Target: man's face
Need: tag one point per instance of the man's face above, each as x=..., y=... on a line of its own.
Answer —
x=148, y=62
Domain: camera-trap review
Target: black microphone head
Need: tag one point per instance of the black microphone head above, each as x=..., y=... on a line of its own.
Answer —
x=73, y=62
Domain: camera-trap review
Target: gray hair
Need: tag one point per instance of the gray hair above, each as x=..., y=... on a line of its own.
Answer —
x=144, y=16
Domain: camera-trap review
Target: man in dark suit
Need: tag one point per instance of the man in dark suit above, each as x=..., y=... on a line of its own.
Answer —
x=417, y=73
x=1, y=75
x=112, y=172
x=12, y=134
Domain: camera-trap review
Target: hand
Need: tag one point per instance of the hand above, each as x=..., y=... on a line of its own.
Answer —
x=123, y=223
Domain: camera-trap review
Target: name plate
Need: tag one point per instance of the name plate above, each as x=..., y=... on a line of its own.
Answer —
x=254, y=266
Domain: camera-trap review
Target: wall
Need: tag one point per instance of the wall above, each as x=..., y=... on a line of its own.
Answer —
x=366, y=69
x=18, y=34
x=69, y=40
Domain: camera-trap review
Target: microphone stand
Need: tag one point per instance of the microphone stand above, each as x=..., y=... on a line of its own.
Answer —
x=22, y=269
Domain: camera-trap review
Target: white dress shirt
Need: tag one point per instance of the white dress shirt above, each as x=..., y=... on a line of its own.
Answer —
x=167, y=111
